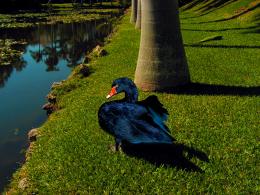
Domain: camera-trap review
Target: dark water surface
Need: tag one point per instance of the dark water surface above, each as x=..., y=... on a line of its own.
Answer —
x=51, y=53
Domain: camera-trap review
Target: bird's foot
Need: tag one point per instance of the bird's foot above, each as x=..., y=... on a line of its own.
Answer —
x=115, y=148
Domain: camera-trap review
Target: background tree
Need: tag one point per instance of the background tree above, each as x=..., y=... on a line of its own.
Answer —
x=125, y=3
x=90, y=2
x=7, y=5
x=134, y=11
x=138, y=17
x=162, y=62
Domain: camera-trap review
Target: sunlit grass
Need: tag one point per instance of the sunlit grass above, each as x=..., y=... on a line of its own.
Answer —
x=72, y=155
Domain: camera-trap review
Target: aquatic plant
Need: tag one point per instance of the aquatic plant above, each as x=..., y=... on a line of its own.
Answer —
x=10, y=51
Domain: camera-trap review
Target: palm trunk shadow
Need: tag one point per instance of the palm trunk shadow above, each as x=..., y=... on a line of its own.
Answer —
x=169, y=155
x=208, y=89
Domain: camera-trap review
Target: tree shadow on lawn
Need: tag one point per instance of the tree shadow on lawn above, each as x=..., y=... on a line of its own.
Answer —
x=208, y=89
x=239, y=12
x=169, y=155
x=223, y=46
x=256, y=21
x=209, y=7
x=246, y=29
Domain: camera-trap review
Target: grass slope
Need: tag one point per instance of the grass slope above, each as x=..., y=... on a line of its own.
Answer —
x=72, y=153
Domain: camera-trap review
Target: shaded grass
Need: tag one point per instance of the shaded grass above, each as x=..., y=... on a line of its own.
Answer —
x=72, y=155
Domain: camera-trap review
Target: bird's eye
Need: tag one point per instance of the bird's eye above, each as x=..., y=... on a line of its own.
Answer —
x=116, y=86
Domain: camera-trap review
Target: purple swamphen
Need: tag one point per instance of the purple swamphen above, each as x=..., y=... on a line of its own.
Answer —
x=136, y=122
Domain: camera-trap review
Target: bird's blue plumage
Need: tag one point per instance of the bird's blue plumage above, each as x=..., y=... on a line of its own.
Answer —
x=133, y=121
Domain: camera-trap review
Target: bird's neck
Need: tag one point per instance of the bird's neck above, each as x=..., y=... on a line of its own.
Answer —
x=131, y=96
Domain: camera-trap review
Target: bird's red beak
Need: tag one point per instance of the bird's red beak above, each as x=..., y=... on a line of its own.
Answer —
x=112, y=92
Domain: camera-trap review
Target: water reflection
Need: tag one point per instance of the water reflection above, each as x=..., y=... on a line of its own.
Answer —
x=54, y=42
x=6, y=71
x=54, y=45
x=50, y=53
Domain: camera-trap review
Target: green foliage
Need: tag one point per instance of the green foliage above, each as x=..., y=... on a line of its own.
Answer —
x=72, y=155
x=56, y=13
x=125, y=3
x=9, y=53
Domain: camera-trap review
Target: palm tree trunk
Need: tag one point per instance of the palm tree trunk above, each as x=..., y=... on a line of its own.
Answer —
x=134, y=12
x=162, y=63
x=138, y=18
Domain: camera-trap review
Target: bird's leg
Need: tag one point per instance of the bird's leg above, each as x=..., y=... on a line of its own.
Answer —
x=118, y=144
x=116, y=147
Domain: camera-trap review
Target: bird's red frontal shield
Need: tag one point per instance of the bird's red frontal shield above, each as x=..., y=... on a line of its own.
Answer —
x=112, y=92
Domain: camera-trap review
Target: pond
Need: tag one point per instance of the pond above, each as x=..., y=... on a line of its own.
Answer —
x=50, y=53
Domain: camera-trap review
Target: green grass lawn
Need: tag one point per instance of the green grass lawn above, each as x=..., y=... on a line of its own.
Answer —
x=219, y=118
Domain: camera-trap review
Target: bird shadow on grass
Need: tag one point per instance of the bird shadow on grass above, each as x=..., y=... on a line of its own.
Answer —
x=208, y=89
x=169, y=155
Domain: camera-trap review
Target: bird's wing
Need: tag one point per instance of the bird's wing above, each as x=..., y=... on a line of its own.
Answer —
x=140, y=131
x=152, y=103
x=156, y=111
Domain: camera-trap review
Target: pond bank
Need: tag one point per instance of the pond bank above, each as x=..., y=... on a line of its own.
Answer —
x=71, y=154
x=50, y=53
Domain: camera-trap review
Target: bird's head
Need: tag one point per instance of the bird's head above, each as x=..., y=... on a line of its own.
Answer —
x=123, y=85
